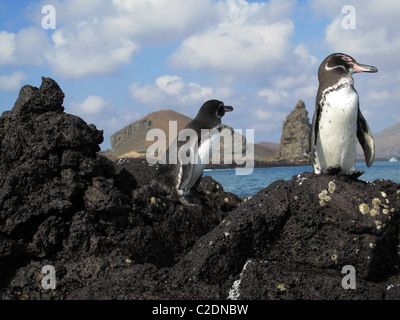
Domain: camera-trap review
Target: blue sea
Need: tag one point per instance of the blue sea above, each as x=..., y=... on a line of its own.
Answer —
x=249, y=185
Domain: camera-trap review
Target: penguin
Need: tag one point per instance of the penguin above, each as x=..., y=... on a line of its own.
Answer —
x=337, y=120
x=179, y=177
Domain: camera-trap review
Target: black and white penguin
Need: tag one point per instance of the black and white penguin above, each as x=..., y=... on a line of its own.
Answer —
x=179, y=177
x=337, y=120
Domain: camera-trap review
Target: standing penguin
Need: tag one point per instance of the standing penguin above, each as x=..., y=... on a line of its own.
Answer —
x=179, y=177
x=338, y=120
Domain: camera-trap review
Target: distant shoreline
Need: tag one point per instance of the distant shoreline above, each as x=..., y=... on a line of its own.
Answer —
x=257, y=164
x=272, y=164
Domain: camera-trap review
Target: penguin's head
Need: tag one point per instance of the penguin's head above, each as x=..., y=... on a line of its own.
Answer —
x=212, y=111
x=340, y=63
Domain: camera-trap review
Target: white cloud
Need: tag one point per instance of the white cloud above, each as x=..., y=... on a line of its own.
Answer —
x=363, y=42
x=250, y=38
x=302, y=52
x=171, y=85
x=81, y=53
x=172, y=92
x=273, y=96
x=97, y=36
x=23, y=48
x=235, y=49
x=262, y=114
x=102, y=112
x=92, y=105
x=376, y=27
x=12, y=82
x=153, y=21
x=7, y=47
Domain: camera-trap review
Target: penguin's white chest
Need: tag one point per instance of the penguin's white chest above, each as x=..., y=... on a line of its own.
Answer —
x=202, y=154
x=207, y=146
x=337, y=130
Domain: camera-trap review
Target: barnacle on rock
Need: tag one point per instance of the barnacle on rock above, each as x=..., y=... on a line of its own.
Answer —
x=364, y=208
x=374, y=212
x=331, y=187
x=322, y=195
x=376, y=202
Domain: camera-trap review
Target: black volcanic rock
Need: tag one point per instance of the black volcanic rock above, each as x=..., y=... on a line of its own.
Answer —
x=64, y=205
x=111, y=234
x=294, y=238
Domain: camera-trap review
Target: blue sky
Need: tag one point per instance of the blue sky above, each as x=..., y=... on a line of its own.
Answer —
x=118, y=61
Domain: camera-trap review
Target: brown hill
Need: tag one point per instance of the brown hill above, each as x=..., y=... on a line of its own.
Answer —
x=133, y=137
x=270, y=145
x=130, y=142
x=387, y=143
x=265, y=153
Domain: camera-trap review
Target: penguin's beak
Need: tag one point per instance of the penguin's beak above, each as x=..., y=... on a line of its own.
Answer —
x=228, y=108
x=358, y=67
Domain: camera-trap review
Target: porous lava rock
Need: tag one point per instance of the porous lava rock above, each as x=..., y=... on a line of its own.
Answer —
x=62, y=204
x=296, y=240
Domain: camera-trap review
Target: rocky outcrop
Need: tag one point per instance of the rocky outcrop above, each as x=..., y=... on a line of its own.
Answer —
x=110, y=234
x=293, y=239
x=62, y=204
x=295, y=139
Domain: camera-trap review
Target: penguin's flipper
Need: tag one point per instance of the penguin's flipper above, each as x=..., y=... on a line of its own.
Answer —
x=187, y=170
x=365, y=138
x=314, y=129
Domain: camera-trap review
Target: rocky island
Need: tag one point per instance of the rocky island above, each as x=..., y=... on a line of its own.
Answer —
x=108, y=234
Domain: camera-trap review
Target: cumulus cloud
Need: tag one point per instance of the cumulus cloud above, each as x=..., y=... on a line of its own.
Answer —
x=83, y=44
x=158, y=21
x=12, y=82
x=273, y=96
x=172, y=92
x=7, y=47
x=102, y=112
x=81, y=53
x=25, y=47
x=98, y=37
x=250, y=38
x=263, y=114
x=376, y=25
x=92, y=105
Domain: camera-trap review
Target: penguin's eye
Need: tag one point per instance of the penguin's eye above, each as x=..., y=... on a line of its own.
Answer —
x=345, y=58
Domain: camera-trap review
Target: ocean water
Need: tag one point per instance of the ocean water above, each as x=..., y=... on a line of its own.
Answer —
x=249, y=185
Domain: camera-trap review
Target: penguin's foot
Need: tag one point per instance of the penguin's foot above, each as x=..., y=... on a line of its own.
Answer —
x=355, y=174
x=185, y=201
x=332, y=170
